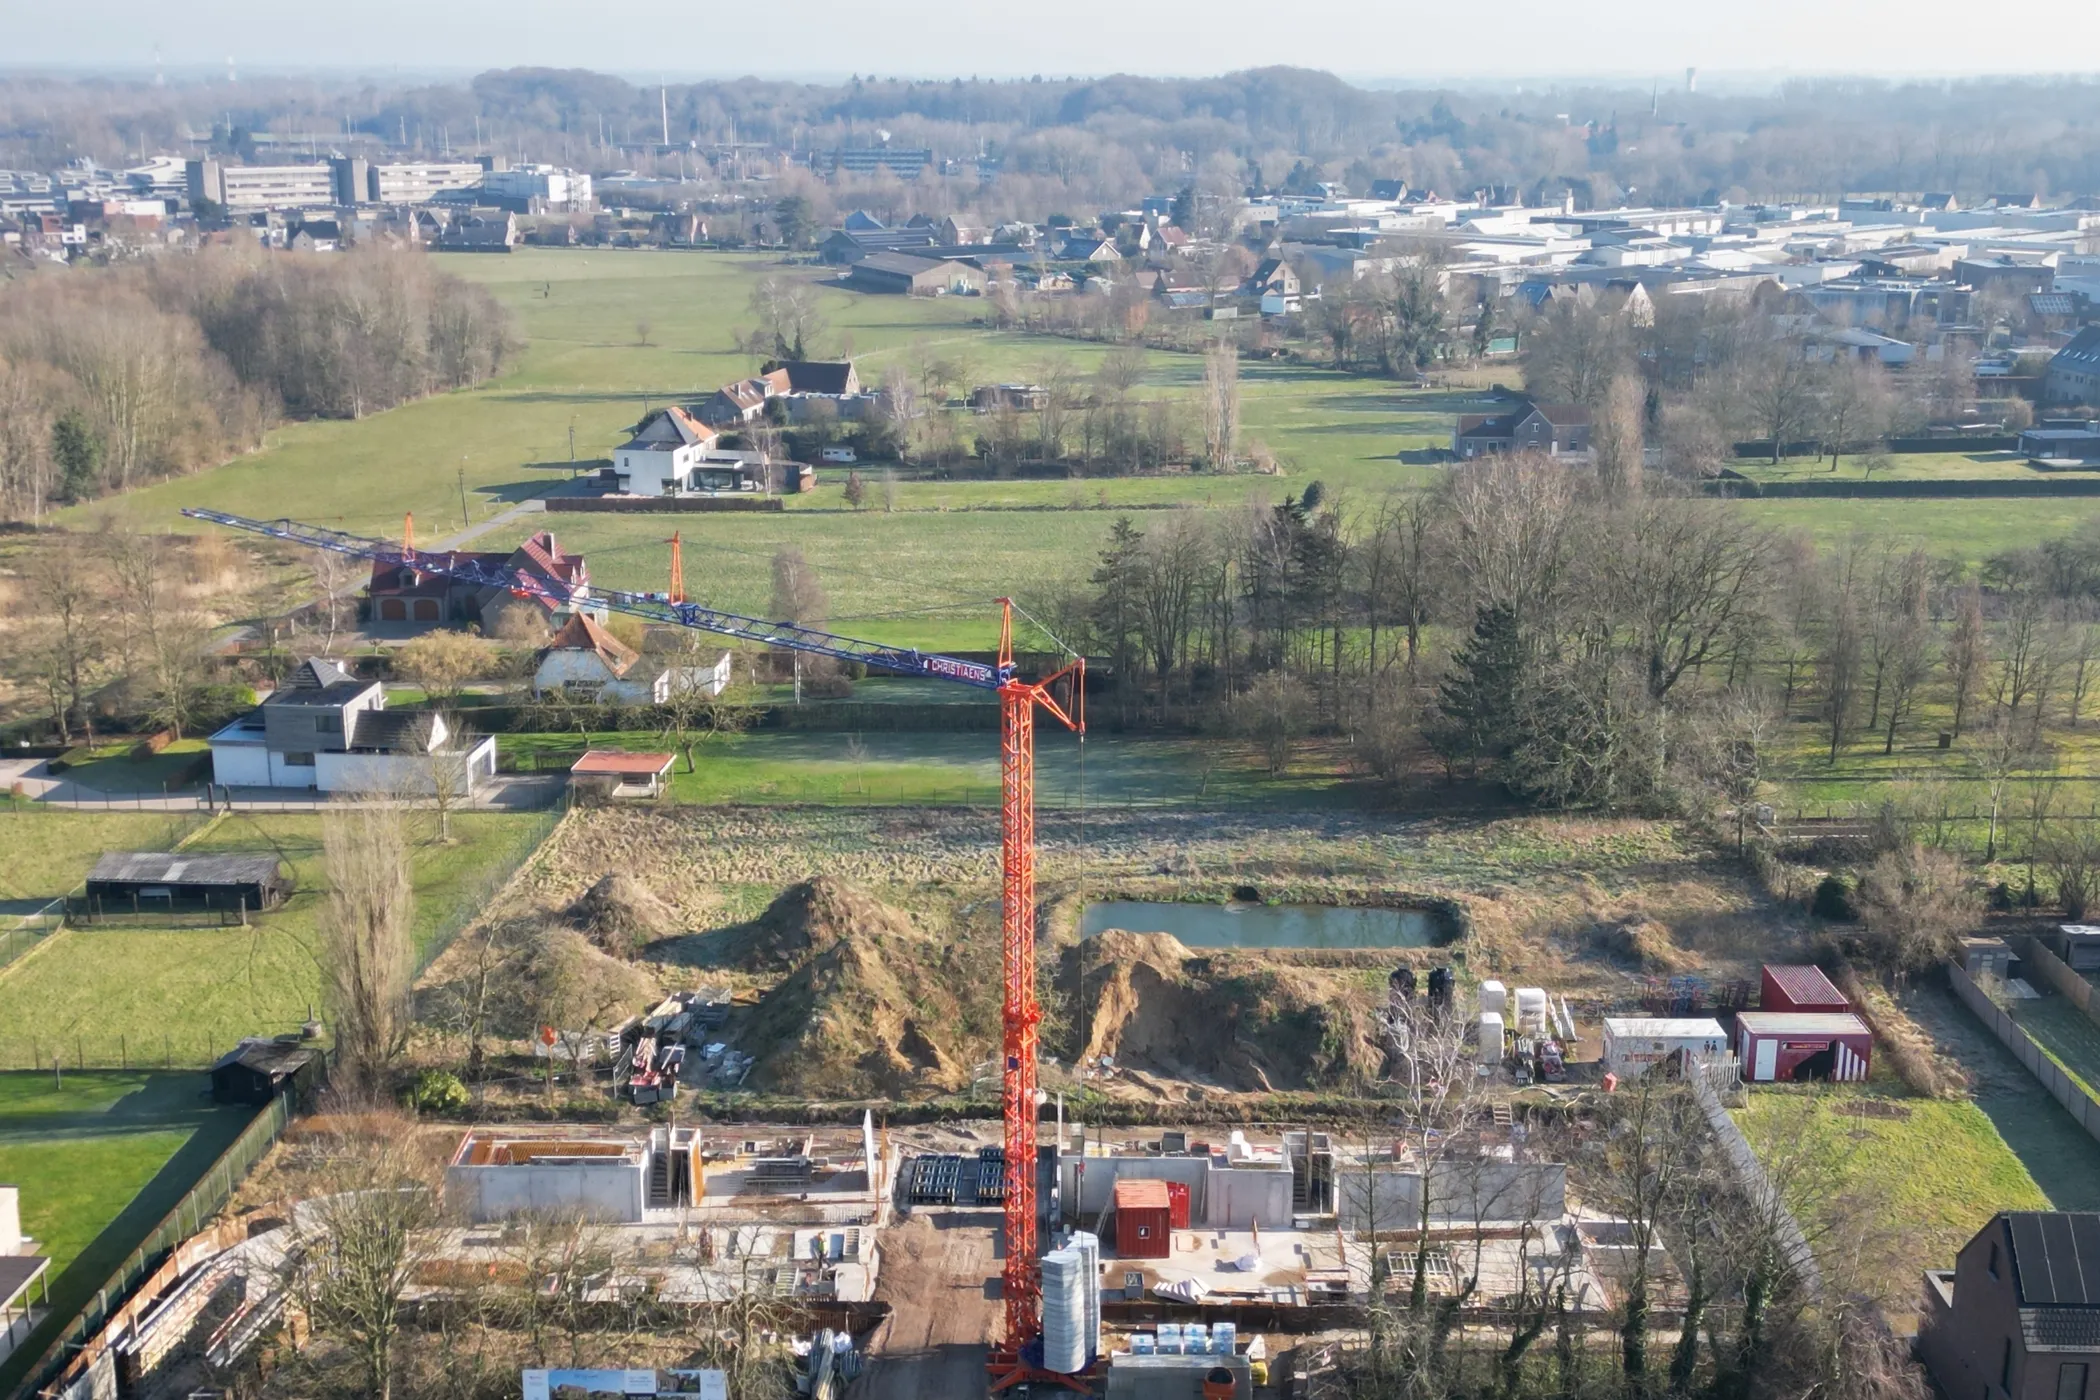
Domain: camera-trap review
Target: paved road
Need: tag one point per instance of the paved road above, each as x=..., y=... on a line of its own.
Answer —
x=940, y=1275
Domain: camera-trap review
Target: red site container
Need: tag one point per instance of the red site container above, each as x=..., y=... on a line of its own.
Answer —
x=1144, y=1220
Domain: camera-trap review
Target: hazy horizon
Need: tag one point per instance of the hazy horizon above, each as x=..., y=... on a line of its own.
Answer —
x=1621, y=41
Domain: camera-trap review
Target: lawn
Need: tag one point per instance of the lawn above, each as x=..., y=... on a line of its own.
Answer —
x=1967, y=531
x=178, y=995
x=1931, y=1174
x=884, y=769
x=82, y=1148
x=51, y=849
x=101, y=1157
x=110, y=768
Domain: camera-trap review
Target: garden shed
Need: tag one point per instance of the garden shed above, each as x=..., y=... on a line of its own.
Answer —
x=170, y=882
x=256, y=1071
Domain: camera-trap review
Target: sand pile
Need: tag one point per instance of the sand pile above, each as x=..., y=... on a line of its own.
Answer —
x=871, y=1007
x=621, y=915
x=1230, y=1020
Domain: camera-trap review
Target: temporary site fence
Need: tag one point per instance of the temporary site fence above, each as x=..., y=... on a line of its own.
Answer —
x=2078, y=1101
x=1757, y=1184
x=55, y=1339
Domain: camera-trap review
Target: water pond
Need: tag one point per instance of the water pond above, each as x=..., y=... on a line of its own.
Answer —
x=1269, y=925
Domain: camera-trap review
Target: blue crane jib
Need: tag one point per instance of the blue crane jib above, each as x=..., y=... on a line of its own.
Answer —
x=903, y=661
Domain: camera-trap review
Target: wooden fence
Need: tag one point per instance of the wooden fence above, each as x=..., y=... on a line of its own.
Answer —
x=2077, y=1101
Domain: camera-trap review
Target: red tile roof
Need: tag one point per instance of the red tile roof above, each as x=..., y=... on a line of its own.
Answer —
x=618, y=763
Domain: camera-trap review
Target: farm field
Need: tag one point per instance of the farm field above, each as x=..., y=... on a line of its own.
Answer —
x=906, y=769
x=1930, y=1172
x=177, y=995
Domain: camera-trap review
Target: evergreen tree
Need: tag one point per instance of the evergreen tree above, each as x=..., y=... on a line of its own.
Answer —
x=1480, y=703
x=78, y=449
x=1116, y=614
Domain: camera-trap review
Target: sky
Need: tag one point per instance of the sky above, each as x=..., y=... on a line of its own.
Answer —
x=1386, y=41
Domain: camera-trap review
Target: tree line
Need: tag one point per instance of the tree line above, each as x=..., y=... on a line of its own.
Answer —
x=115, y=376
x=1581, y=638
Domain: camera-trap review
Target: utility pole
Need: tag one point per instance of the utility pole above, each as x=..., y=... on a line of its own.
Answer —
x=464, y=522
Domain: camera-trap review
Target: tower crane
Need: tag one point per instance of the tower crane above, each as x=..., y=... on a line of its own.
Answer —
x=1017, y=1359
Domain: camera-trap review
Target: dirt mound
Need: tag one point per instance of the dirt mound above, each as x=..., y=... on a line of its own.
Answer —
x=808, y=919
x=1643, y=943
x=870, y=1007
x=1233, y=1021
x=621, y=915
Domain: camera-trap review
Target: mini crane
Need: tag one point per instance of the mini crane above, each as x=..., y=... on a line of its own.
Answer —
x=1017, y=1360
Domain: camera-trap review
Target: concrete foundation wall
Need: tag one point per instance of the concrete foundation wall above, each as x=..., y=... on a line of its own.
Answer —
x=612, y=1190
x=1235, y=1195
x=1102, y=1173
x=1174, y=1377
x=1390, y=1198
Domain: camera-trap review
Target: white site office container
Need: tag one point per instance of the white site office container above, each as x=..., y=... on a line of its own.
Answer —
x=1633, y=1043
x=1493, y=996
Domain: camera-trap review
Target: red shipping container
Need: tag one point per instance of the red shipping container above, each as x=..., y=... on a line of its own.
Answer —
x=1178, y=1204
x=1144, y=1220
x=1786, y=987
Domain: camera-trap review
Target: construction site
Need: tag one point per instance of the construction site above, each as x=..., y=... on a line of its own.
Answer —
x=1134, y=1104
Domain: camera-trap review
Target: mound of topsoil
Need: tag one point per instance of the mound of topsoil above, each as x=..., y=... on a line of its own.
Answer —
x=621, y=915
x=1235, y=1021
x=808, y=919
x=1643, y=943
x=550, y=975
x=872, y=1007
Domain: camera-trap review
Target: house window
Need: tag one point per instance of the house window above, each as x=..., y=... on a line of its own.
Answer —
x=328, y=724
x=1993, y=1265
x=2005, y=1368
x=298, y=760
x=2070, y=1381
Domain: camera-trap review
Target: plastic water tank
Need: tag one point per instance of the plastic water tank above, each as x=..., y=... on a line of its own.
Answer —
x=1490, y=1037
x=1493, y=997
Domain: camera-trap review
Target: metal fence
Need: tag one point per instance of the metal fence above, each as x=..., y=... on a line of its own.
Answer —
x=56, y=1340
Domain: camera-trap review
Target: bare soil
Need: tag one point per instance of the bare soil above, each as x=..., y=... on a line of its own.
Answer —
x=939, y=1272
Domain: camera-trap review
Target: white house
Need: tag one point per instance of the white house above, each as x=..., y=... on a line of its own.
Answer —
x=586, y=662
x=659, y=459
x=323, y=729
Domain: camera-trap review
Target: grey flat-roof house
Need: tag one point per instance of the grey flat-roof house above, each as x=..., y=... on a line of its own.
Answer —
x=327, y=730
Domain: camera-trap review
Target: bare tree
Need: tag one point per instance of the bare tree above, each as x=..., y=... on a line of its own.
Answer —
x=1914, y=903
x=71, y=616
x=1221, y=405
x=1619, y=439
x=1968, y=653
x=365, y=937
x=356, y=1251
x=444, y=662
x=1853, y=406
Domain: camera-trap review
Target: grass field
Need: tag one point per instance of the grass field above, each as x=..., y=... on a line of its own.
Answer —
x=156, y=995
x=963, y=769
x=50, y=849
x=82, y=1149
x=1902, y=466
x=111, y=768
x=1931, y=1173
